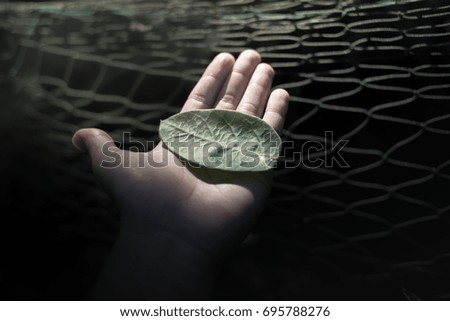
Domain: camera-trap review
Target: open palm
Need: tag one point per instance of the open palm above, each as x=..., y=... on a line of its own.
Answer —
x=210, y=209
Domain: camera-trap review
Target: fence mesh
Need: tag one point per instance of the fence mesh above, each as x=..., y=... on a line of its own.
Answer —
x=374, y=73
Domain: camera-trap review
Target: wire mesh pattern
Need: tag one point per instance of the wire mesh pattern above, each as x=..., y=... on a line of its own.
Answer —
x=374, y=74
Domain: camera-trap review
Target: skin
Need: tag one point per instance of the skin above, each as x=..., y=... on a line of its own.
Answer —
x=178, y=222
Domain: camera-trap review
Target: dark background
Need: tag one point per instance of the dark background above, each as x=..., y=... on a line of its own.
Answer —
x=374, y=73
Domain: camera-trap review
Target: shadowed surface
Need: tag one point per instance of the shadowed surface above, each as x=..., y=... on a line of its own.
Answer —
x=374, y=73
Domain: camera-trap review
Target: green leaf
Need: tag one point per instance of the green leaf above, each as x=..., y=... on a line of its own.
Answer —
x=222, y=139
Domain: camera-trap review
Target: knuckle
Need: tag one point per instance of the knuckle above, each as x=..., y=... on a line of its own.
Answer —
x=239, y=73
x=249, y=107
x=211, y=76
x=198, y=98
x=228, y=99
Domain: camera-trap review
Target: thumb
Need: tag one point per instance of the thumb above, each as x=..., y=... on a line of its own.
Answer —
x=100, y=147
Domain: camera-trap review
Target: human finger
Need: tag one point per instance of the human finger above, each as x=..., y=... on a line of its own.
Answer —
x=276, y=109
x=234, y=88
x=207, y=88
x=257, y=92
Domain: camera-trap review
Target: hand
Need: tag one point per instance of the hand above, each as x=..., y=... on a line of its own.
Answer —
x=204, y=209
